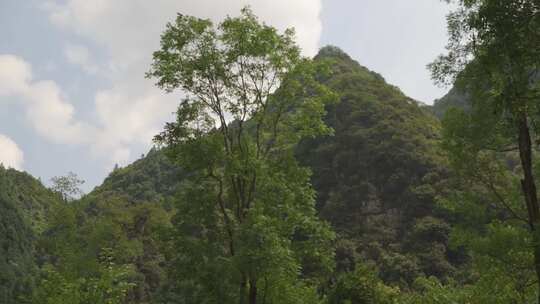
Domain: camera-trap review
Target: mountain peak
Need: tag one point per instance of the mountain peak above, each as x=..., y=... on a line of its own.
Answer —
x=331, y=51
x=344, y=64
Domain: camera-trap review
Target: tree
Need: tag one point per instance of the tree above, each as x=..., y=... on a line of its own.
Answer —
x=17, y=268
x=67, y=186
x=246, y=229
x=110, y=287
x=361, y=286
x=494, y=56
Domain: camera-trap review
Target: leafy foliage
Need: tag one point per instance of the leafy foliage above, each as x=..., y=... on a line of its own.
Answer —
x=246, y=228
x=110, y=288
x=493, y=55
x=362, y=286
x=28, y=195
x=24, y=207
x=16, y=251
x=378, y=176
x=227, y=210
x=153, y=178
x=455, y=98
x=67, y=186
x=118, y=223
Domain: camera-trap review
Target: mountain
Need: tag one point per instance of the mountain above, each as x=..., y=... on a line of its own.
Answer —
x=454, y=98
x=28, y=195
x=38, y=228
x=124, y=216
x=24, y=206
x=16, y=253
x=151, y=178
x=378, y=177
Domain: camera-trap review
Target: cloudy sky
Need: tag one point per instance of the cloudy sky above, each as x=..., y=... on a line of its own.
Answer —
x=73, y=96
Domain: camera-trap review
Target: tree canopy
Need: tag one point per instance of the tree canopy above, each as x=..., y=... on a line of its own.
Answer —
x=246, y=225
x=285, y=179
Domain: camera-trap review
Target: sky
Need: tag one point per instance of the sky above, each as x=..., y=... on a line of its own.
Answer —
x=73, y=97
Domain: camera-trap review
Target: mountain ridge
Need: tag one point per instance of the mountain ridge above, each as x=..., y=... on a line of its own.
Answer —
x=377, y=180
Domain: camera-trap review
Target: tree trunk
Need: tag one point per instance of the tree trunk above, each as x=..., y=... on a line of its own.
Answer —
x=537, y=260
x=242, y=294
x=528, y=186
x=252, y=291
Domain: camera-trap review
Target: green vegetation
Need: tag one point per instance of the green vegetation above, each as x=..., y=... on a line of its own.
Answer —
x=152, y=178
x=24, y=207
x=246, y=224
x=493, y=144
x=378, y=176
x=454, y=99
x=16, y=249
x=285, y=179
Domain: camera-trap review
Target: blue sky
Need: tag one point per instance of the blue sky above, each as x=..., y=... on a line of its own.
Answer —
x=72, y=91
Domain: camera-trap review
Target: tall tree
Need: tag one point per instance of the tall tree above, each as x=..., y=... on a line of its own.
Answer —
x=246, y=229
x=494, y=55
x=68, y=186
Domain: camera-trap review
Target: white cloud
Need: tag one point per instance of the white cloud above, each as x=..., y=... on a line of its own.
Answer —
x=46, y=108
x=11, y=155
x=79, y=55
x=15, y=74
x=53, y=117
x=130, y=28
x=128, y=31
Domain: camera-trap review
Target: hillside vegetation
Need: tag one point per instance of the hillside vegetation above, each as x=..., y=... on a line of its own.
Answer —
x=286, y=179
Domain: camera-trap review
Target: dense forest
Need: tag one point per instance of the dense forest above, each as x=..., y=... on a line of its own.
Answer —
x=286, y=179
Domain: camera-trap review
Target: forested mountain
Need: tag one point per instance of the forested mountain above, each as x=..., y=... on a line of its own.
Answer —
x=17, y=268
x=455, y=98
x=332, y=187
x=29, y=195
x=24, y=206
x=118, y=221
x=152, y=178
x=291, y=180
x=378, y=177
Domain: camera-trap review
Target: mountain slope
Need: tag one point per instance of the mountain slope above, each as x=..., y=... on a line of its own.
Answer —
x=377, y=177
x=28, y=195
x=24, y=206
x=454, y=98
x=151, y=178
x=16, y=253
x=122, y=217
